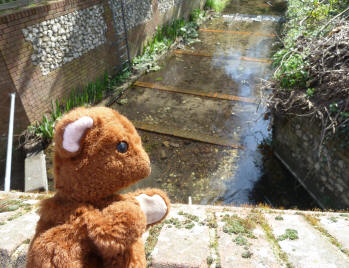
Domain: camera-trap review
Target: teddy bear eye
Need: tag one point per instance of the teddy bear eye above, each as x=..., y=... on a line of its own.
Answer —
x=122, y=147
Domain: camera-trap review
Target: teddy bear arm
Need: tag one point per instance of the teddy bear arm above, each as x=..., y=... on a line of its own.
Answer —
x=116, y=227
x=154, y=203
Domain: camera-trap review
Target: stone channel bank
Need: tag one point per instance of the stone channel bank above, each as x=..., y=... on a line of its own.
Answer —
x=325, y=174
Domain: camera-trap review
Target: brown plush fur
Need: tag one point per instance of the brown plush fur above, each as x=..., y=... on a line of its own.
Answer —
x=86, y=224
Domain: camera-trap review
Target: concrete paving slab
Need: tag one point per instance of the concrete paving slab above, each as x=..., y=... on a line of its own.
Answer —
x=14, y=233
x=19, y=257
x=337, y=225
x=5, y=215
x=311, y=249
x=178, y=246
x=238, y=250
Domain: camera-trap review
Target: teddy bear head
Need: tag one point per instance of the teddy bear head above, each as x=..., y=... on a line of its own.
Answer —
x=97, y=152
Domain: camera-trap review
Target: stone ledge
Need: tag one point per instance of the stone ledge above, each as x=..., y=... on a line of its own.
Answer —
x=207, y=236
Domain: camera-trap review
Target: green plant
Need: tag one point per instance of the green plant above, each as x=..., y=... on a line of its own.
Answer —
x=246, y=254
x=197, y=15
x=279, y=218
x=164, y=37
x=216, y=5
x=88, y=95
x=240, y=240
x=310, y=92
x=289, y=234
x=305, y=19
x=291, y=72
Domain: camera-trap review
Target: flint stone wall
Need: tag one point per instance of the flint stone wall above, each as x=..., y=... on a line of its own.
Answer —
x=65, y=38
x=325, y=176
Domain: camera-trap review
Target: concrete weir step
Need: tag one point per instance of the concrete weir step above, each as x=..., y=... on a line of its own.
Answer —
x=208, y=236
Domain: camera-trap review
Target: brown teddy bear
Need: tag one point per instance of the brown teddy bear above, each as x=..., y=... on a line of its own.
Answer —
x=86, y=223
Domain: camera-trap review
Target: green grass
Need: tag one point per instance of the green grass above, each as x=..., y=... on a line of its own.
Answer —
x=290, y=234
x=217, y=5
x=151, y=242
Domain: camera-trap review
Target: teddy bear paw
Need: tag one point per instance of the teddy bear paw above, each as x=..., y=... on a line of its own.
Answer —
x=154, y=207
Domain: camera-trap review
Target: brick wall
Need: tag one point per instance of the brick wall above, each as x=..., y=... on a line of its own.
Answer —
x=34, y=89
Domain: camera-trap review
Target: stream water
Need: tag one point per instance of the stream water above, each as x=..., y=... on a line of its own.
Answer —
x=197, y=96
x=201, y=120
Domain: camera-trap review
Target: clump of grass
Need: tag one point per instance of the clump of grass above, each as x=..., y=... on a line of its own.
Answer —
x=333, y=219
x=246, y=254
x=236, y=225
x=173, y=222
x=217, y=5
x=209, y=260
x=12, y=205
x=240, y=240
x=279, y=218
x=189, y=216
x=17, y=215
x=152, y=239
x=215, y=258
x=290, y=234
x=271, y=238
x=188, y=223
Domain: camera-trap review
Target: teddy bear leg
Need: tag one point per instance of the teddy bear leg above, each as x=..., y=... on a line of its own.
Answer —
x=58, y=247
x=133, y=258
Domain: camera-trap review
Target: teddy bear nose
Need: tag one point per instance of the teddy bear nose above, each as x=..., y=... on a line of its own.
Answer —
x=122, y=147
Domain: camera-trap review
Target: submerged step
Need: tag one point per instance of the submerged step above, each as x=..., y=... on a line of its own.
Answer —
x=248, y=17
x=258, y=7
x=237, y=32
x=226, y=57
x=186, y=135
x=214, y=95
x=221, y=120
x=205, y=74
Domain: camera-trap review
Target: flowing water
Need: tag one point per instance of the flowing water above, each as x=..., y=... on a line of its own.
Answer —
x=201, y=120
x=200, y=115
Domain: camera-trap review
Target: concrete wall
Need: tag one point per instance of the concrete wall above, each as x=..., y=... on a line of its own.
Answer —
x=296, y=142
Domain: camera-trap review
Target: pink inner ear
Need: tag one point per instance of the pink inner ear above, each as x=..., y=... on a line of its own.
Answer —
x=73, y=133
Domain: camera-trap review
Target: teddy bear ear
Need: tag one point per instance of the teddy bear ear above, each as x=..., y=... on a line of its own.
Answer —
x=72, y=133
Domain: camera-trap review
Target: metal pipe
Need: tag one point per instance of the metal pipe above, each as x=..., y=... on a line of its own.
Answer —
x=9, y=145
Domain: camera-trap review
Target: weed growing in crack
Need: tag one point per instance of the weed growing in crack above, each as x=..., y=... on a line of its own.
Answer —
x=279, y=218
x=290, y=234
